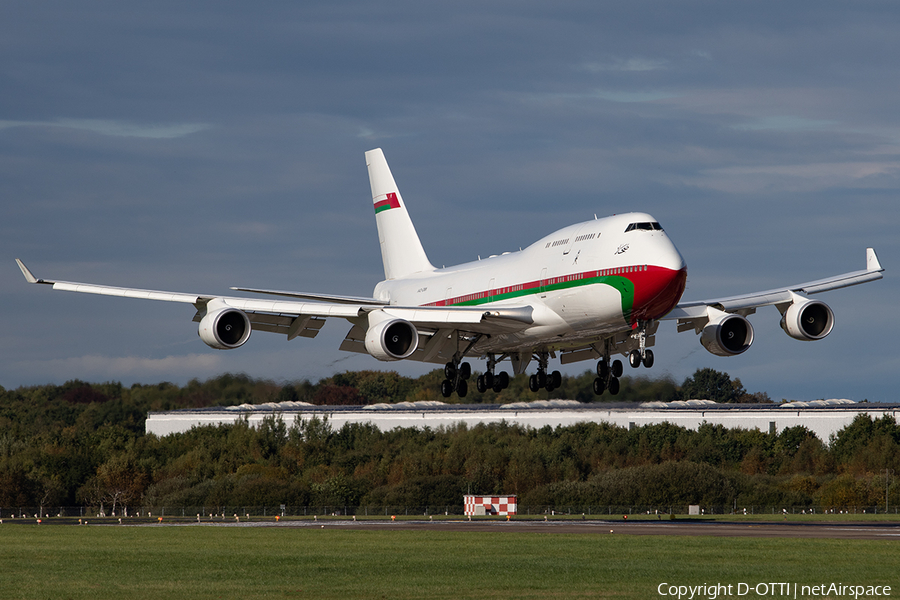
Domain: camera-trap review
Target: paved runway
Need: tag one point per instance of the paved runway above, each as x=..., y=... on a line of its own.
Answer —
x=855, y=531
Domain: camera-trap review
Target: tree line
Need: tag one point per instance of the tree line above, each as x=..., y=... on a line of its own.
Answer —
x=84, y=444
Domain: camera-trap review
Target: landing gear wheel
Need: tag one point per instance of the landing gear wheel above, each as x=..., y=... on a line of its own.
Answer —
x=481, y=384
x=489, y=379
x=446, y=388
x=617, y=368
x=533, y=383
x=502, y=379
x=634, y=359
x=465, y=371
x=613, y=385
x=599, y=386
x=450, y=371
x=648, y=358
x=462, y=388
x=555, y=379
x=541, y=378
x=497, y=387
x=602, y=369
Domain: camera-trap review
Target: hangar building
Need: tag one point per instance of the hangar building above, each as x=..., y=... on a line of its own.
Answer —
x=823, y=417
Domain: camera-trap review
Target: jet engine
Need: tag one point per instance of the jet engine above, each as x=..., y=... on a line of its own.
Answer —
x=392, y=339
x=224, y=328
x=727, y=335
x=807, y=320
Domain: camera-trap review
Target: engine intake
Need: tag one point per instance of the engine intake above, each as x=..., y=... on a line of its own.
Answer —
x=727, y=335
x=807, y=320
x=225, y=328
x=393, y=339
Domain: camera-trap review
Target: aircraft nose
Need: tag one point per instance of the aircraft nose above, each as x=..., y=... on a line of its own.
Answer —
x=658, y=292
x=669, y=257
x=662, y=285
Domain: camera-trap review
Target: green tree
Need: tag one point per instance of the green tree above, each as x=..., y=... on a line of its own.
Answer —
x=709, y=384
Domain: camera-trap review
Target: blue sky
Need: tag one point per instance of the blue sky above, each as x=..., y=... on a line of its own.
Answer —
x=198, y=146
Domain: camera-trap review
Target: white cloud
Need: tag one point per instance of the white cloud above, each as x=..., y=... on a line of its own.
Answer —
x=607, y=95
x=786, y=123
x=796, y=178
x=115, y=128
x=626, y=65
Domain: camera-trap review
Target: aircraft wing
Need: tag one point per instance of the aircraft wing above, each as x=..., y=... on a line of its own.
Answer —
x=296, y=318
x=317, y=297
x=694, y=315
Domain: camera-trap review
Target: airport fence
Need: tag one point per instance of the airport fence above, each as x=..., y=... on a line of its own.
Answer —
x=383, y=511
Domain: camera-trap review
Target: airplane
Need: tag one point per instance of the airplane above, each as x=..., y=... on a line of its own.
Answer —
x=589, y=291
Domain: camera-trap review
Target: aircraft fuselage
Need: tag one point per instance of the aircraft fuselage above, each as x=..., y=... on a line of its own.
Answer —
x=583, y=281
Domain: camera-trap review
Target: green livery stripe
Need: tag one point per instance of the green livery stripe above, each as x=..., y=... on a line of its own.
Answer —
x=622, y=284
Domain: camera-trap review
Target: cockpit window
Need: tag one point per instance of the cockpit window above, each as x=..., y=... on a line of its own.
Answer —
x=654, y=226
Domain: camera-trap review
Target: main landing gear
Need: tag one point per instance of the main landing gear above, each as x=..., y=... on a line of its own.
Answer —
x=457, y=375
x=608, y=374
x=490, y=381
x=542, y=379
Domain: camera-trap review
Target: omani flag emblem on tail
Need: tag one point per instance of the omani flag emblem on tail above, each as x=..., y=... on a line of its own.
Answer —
x=388, y=203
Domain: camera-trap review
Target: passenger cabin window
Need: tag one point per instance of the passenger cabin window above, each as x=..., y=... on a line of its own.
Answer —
x=654, y=226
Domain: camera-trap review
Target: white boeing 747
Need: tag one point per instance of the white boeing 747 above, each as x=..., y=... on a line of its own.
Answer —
x=589, y=291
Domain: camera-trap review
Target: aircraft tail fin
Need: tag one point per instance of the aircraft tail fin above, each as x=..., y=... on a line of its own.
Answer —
x=401, y=250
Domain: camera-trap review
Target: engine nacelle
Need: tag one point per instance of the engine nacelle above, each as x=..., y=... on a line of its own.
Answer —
x=392, y=339
x=807, y=320
x=727, y=335
x=224, y=328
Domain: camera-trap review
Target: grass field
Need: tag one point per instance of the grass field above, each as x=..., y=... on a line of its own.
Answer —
x=200, y=562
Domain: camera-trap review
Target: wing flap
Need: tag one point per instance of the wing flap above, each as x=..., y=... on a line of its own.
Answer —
x=316, y=297
x=281, y=307
x=476, y=319
x=434, y=346
x=292, y=327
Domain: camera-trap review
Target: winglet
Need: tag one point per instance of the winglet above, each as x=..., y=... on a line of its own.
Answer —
x=872, y=263
x=29, y=276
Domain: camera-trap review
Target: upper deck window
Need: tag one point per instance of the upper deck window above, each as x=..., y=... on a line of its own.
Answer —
x=654, y=226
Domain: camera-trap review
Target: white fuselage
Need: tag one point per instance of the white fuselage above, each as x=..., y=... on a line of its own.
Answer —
x=582, y=281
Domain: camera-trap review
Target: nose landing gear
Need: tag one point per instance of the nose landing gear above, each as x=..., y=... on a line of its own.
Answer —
x=635, y=358
x=641, y=354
